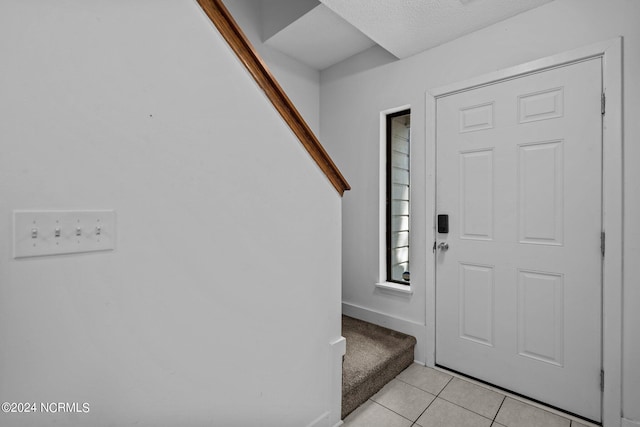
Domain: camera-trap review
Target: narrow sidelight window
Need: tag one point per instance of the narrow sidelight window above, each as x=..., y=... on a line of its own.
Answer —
x=398, y=192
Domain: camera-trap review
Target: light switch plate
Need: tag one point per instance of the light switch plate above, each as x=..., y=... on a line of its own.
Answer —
x=40, y=233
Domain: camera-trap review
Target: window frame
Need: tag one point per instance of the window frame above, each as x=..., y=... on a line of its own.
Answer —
x=383, y=284
x=389, y=196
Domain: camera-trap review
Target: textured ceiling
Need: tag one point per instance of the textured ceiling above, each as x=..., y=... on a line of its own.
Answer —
x=406, y=27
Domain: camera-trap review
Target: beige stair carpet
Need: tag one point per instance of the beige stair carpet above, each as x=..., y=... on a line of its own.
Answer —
x=375, y=355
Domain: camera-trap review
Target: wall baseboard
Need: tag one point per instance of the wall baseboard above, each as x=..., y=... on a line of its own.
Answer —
x=405, y=326
x=321, y=421
x=338, y=349
x=331, y=418
x=629, y=423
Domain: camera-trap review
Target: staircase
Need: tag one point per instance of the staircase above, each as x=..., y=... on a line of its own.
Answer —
x=375, y=355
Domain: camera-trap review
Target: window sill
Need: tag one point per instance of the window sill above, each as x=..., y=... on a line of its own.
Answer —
x=395, y=288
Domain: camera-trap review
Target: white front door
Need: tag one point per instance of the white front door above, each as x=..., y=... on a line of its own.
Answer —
x=518, y=291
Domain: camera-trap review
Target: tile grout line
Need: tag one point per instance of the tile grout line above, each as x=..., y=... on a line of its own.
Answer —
x=445, y=386
x=389, y=409
x=505, y=394
x=431, y=403
x=472, y=411
x=504, y=398
x=411, y=385
x=517, y=398
x=426, y=391
x=455, y=404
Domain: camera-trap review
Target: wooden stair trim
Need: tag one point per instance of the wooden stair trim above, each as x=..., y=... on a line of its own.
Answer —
x=229, y=29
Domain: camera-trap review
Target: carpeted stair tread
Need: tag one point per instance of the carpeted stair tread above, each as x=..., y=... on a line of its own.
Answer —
x=375, y=355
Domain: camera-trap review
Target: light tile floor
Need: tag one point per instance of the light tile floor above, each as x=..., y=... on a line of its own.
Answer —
x=425, y=397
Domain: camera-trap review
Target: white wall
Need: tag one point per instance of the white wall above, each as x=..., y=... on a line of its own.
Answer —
x=278, y=14
x=299, y=81
x=352, y=98
x=221, y=300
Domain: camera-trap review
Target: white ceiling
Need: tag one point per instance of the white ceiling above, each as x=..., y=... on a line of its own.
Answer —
x=320, y=38
x=338, y=29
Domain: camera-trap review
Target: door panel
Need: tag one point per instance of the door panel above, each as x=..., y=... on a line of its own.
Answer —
x=518, y=292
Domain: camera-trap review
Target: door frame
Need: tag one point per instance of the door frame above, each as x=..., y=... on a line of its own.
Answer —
x=612, y=201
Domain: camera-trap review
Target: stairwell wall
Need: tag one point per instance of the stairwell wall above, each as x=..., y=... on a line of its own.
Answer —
x=300, y=82
x=221, y=302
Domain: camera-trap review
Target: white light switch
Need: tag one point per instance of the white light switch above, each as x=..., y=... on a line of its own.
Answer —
x=39, y=233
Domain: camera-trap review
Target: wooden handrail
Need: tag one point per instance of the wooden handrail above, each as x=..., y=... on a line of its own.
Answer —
x=229, y=29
